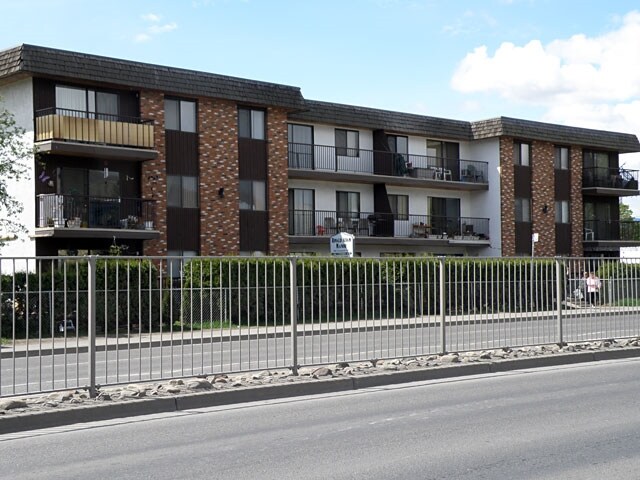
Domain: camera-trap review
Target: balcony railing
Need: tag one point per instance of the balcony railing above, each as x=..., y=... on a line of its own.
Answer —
x=612, y=230
x=363, y=224
x=95, y=128
x=374, y=162
x=73, y=211
x=610, y=178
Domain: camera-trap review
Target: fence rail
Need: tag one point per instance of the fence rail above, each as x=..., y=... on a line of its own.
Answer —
x=80, y=322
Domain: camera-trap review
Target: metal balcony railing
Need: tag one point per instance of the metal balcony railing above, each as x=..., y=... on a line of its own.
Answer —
x=74, y=211
x=375, y=162
x=610, y=178
x=97, y=128
x=612, y=230
x=365, y=224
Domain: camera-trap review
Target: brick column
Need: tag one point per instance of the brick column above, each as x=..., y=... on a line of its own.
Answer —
x=218, y=154
x=277, y=181
x=507, y=198
x=154, y=172
x=576, y=204
x=543, y=194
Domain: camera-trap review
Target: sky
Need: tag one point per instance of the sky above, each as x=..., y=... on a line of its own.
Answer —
x=561, y=61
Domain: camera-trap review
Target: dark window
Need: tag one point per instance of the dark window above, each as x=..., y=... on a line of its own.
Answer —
x=179, y=115
x=175, y=265
x=521, y=154
x=399, y=206
x=347, y=143
x=86, y=103
x=398, y=144
x=348, y=204
x=561, y=161
x=562, y=211
x=253, y=195
x=523, y=210
x=182, y=191
x=251, y=123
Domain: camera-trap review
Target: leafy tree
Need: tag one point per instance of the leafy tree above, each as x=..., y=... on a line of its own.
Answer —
x=14, y=160
x=625, y=213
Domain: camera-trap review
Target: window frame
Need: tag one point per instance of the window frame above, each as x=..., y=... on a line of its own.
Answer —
x=393, y=200
x=557, y=158
x=346, y=150
x=180, y=188
x=252, y=118
x=523, y=218
x=180, y=117
x=562, y=212
x=347, y=213
x=252, y=191
x=518, y=154
x=90, y=100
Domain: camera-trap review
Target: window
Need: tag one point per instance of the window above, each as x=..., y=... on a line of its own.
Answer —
x=348, y=204
x=521, y=154
x=399, y=206
x=398, y=144
x=562, y=211
x=347, y=143
x=253, y=195
x=175, y=265
x=84, y=103
x=180, y=115
x=435, y=149
x=182, y=191
x=523, y=210
x=561, y=161
x=300, y=146
x=251, y=124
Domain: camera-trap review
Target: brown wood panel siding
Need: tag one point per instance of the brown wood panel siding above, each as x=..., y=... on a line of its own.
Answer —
x=523, y=238
x=254, y=231
x=183, y=229
x=129, y=104
x=182, y=152
x=522, y=181
x=252, y=158
x=44, y=94
x=563, y=239
x=382, y=158
x=562, y=185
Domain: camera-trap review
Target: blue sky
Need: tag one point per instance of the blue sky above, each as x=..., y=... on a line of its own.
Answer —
x=570, y=62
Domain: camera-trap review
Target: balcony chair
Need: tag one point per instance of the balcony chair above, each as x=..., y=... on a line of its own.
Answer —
x=589, y=234
x=363, y=226
x=330, y=226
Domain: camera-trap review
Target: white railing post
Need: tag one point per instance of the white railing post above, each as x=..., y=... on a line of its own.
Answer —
x=293, y=312
x=91, y=319
x=559, y=289
x=443, y=319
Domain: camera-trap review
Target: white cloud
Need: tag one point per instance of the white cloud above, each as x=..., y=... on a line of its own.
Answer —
x=151, y=17
x=155, y=29
x=588, y=81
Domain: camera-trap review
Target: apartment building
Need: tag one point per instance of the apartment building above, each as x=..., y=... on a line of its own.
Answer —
x=164, y=161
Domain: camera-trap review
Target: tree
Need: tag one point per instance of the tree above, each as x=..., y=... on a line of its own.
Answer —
x=15, y=154
x=625, y=213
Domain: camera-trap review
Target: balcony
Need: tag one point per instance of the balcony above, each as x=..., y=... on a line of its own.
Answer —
x=346, y=164
x=606, y=181
x=73, y=216
x=612, y=232
x=308, y=225
x=75, y=132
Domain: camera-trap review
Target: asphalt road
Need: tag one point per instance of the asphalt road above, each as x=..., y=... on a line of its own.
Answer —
x=573, y=422
x=141, y=363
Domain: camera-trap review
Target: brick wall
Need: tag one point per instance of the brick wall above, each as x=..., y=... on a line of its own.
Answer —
x=278, y=181
x=543, y=194
x=577, y=213
x=507, y=199
x=218, y=152
x=154, y=177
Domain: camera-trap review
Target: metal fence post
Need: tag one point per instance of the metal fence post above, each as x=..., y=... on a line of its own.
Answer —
x=91, y=318
x=293, y=305
x=559, y=265
x=443, y=319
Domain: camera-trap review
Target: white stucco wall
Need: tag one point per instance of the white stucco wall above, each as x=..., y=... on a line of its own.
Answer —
x=17, y=97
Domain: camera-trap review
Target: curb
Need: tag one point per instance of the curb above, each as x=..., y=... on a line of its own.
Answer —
x=147, y=406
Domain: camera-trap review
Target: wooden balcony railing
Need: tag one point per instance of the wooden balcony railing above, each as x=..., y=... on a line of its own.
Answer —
x=94, y=128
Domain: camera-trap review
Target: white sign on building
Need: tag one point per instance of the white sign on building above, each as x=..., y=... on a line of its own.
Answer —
x=342, y=245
